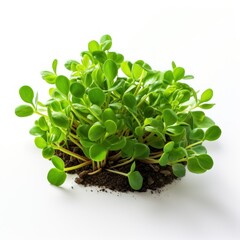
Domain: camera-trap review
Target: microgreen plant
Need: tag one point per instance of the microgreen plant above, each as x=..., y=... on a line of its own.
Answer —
x=120, y=113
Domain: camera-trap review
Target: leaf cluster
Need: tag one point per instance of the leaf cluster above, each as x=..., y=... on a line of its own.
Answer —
x=119, y=112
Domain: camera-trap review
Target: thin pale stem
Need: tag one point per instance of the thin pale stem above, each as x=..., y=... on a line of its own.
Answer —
x=124, y=163
x=77, y=166
x=71, y=153
x=117, y=172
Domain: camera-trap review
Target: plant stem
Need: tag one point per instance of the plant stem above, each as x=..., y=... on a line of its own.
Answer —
x=124, y=163
x=75, y=142
x=71, y=153
x=194, y=144
x=117, y=172
x=77, y=166
x=94, y=172
x=149, y=160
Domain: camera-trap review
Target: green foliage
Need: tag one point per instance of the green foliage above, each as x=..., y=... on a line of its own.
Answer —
x=118, y=112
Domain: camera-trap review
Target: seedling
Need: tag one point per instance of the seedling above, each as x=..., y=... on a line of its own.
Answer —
x=120, y=113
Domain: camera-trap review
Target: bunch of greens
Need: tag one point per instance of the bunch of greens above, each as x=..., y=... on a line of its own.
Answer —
x=120, y=113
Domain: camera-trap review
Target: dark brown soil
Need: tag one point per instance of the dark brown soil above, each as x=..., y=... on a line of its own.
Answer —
x=154, y=176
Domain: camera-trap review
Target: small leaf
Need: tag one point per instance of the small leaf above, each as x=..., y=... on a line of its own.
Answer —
x=188, y=77
x=111, y=126
x=48, y=152
x=49, y=77
x=135, y=180
x=82, y=131
x=42, y=123
x=58, y=162
x=207, y=105
x=26, y=93
x=96, y=96
x=137, y=71
x=179, y=170
x=168, y=147
x=56, y=177
x=24, y=111
x=118, y=144
x=178, y=73
x=133, y=166
x=54, y=65
x=71, y=65
x=169, y=117
x=205, y=161
x=141, y=151
x=139, y=131
x=93, y=46
x=129, y=100
x=100, y=56
x=98, y=152
x=110, y=70
x=63, y=84
x=77, y=90
x=96, y=132
x=36, y=131
x=199, y=149
x=168, y=76
x=60, y=120
x=193, y=166
x=109, y=114
x=40, y=142
x=173, y=65
x=206, y=95
x=213, y=133
x=55, y=134
x=127, y=68
x=163, y=161
x=106, y=42
x=196, y=134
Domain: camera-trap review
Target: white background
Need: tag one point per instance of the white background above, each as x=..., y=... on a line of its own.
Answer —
x=202, y=36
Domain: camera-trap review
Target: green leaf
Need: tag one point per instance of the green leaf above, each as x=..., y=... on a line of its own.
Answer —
x=169, y=117
x=129, y=100
x=168, y=147
x=196, y=134
x=111, y=126
x=188, y=77
x=178, y=170
x=77, y=90
x=100, y=56
x=96, y=132
x=118, y=144
x=110, y=70
x=137, y=71
x=58, y=162
x=213, y=133
x=40, y=142
x=199, y=149
x=109, y=114
x=163, y=161
x=178, y=73
x=93, y=46
x=71, y=65
x=135, y=180
x=205, y=161
x=36, y=131
x=60, y=120
x=55, y=134
x=133, y=166
x=139, y=131
x=63, y=84
x=96, y=96
x=56, y=177
x=207, y=105
x=42, y=123
x=54, y=65
x=173, y=65
x=26, y=93
x=24, y=111
x=49, y=77
x=48, y=152
x=168, y=76
x=106, y=42
x=127, y=68
x=141, y=151
x=206, y=95
x=194, y=166
x=98, y=152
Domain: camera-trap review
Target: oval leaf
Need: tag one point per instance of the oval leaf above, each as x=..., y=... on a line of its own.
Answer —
x=206, y=95
x=56, y=177
x=60, y=120
x=58, y=162
x=26, y=93
x=205, y=161
x=169, y=117
x=40, y=142
x=96, y=96
x=111, y=126
x=179, y=170
x=77, y=90
x=24, y=111
x=178, y=73
x=98, y=152
x=48, y=152
x=110, y=70
x=213, y=133
x=96, y=132
x=194, y=166
x=63, y=84
x=135, y=180
x=129, y=100
x=168, y=147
